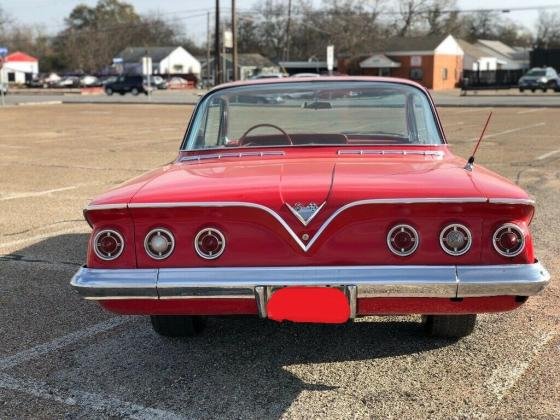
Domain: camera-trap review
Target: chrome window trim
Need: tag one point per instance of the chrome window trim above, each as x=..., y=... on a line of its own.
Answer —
x=147, y=249
x=199, y=251
x=96, y=251
x=521, y=234
x=469, y=240
x=398, y=252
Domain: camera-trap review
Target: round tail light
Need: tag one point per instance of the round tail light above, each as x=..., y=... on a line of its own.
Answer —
x=159, y=243
x=455, y=239
x=209, y=243
x=509, y=240
x=402, y=240
x=108, y=244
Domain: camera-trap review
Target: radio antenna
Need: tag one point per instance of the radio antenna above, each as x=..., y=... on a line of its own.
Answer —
x=470, y=163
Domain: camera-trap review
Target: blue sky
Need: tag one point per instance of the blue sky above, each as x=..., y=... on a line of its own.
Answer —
x=51, y=13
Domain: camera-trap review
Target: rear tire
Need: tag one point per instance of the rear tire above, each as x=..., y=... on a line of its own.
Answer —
x=109, y=91
x=134, y=91
x=521, y=90
x=178, y=325
x=449, y=326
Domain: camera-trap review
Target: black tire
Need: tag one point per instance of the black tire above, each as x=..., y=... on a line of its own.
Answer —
x=533, y=90
x=449, y=326
x=521, y=90
x=135, y=91
x=544, y=89
x=109, y=91
x=178, y=325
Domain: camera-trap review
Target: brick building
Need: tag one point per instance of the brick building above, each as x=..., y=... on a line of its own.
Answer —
x=434, y=61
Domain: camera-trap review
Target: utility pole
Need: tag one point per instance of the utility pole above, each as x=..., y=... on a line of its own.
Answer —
x=287, y=45
x=234, y=40
x=217, y=58
x=207, y=48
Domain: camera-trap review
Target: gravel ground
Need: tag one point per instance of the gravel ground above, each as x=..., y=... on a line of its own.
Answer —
x=61, y=357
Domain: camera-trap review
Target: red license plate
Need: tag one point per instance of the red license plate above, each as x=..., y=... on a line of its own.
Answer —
x=309, y=304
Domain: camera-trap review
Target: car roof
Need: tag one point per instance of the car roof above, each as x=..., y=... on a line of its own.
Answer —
x=318, y=80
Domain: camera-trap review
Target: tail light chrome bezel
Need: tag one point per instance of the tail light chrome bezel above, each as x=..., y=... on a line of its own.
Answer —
x=398, y=251
x=220, y=238
x=454, y=251
x=510, y=227
x=170, y=243
x=120, y=244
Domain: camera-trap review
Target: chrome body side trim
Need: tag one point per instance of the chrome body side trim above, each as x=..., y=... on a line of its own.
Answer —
x=284, y=224
x=512, y=201
x=255, y=282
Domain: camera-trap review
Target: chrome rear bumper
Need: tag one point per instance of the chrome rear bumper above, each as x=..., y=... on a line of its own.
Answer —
x=361, y=281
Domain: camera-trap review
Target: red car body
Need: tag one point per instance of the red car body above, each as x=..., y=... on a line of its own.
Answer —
x=363, y=191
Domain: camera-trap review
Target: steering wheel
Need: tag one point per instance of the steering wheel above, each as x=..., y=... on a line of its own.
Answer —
x=244, y=135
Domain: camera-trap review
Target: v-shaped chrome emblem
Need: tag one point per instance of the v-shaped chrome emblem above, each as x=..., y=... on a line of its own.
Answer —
x=305, y=214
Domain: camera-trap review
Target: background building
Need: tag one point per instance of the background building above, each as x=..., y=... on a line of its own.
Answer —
x=165, y=60
x=434, y=61
x=19, y=68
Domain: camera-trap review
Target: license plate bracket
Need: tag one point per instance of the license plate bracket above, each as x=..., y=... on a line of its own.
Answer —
x=309, y=304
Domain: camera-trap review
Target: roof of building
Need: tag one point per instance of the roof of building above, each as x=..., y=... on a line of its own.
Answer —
x=497, y=46
x=135, y=54
x=422, y=43
x=246, y=60
x=379, y=61
x=20, y=56
x=472, y=50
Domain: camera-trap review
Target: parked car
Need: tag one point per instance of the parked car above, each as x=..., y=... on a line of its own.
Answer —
x=68, y=82
x=127, y=84
x=350, y=206
x=4, y=88
x=89, y=81
x=268, y=76
x=158, y=82
x=306, y=75
x=540, y=78
x=177, y=83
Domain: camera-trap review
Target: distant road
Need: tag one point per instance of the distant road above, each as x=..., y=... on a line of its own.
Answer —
x=510, y=98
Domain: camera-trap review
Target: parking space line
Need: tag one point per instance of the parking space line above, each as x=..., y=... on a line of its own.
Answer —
x=77, y=229
x=60, y=342
x=505, y=377
x=549, y=154
x=37, y=193
x=512, y=130
x=529, y=111
x=111, y=406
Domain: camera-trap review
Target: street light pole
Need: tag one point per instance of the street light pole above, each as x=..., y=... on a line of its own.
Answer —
x=217, y=58
x=234, y=40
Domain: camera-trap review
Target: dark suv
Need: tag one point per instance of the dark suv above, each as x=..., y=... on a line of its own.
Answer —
x=125, y=84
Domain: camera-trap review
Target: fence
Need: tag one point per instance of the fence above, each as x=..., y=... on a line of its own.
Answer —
x=490, y=79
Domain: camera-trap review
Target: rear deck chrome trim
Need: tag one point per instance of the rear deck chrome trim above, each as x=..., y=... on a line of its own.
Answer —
x=284, y=224
x=255, y=282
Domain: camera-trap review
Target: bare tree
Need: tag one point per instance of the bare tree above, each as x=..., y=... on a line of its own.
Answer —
x=548, y=30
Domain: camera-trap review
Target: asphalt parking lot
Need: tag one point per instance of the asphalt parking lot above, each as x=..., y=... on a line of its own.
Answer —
x=61, y=357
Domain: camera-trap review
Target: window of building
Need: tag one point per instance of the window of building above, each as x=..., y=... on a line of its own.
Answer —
x=444, y=73
x=416, y=73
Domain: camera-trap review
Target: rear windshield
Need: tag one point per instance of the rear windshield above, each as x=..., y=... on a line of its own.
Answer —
x=314, y=113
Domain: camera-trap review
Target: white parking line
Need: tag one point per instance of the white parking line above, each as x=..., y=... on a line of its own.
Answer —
x=37, y=193
x=505, y=377
x=77, y=229
x=60, y=342
x=529, y=111
x=547, y=155
x=512, y=130
x=110, y=406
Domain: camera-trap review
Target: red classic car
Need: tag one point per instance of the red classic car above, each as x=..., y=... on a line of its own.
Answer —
x=316, y=200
